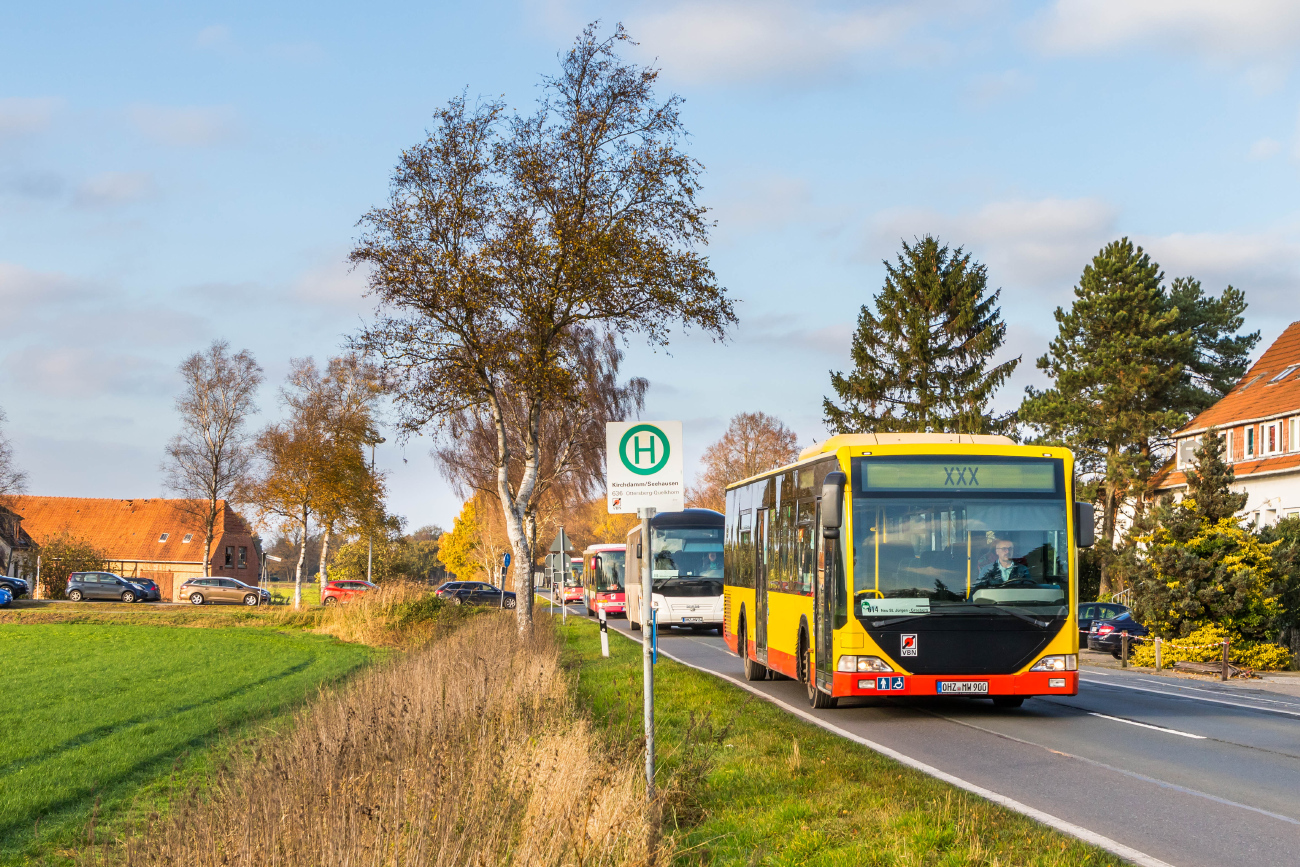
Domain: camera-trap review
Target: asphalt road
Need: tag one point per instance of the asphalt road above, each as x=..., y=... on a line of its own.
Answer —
x=1190, y=774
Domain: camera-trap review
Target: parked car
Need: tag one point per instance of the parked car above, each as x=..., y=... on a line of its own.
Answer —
x=5, y=597
x=104, y=585
x=1090, y=611
x=152, y=593
x=475, y=593
x=344, y=591
x=17, y=587
x=201, y=590
x=1108, y=635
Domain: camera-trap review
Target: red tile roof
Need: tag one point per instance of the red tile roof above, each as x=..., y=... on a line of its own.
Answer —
x=126, y=529
x=1256, y=396
x=1171, y=478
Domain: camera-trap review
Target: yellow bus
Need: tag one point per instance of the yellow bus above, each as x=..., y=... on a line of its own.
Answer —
x=909, y=565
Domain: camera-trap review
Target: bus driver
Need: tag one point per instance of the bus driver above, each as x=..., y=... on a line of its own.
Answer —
x=1006, y=569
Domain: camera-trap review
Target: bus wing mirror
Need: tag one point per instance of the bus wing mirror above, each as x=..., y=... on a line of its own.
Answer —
x=833, y=504
x=1084, y=531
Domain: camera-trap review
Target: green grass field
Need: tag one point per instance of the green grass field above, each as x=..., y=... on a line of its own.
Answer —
x=751, y=785
x=96, y=718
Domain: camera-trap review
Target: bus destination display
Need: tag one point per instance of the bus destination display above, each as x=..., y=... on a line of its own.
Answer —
x=1036, y=476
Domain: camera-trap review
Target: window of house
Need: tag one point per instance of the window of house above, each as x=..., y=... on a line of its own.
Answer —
x=1250, y=441
x=1284, y=374
x=1227, y=446
x=1293, y=442
x=1270, y=438
x=162, y=538
x=188, y=537
x=230, y=556
x=243, y=557
x=1252, y=381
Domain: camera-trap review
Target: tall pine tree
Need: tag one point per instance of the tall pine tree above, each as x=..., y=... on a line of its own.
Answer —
x=921, y=359
x=1131, y=363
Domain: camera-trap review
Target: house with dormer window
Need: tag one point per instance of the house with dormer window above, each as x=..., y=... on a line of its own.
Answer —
x=1260, y=423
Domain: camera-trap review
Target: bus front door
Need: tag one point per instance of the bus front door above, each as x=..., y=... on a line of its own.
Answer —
x=760, y=584
x=824, y=608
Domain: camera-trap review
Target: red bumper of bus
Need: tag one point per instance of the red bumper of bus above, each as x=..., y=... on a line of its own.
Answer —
x=917, y=685
x=613, y=603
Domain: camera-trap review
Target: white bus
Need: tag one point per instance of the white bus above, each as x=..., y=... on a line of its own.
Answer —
x=687, y=570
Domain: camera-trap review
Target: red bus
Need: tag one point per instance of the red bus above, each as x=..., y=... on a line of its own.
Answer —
x=602, y=577
x=573, y=581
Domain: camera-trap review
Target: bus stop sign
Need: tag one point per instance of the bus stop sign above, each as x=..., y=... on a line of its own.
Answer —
x=643, y=465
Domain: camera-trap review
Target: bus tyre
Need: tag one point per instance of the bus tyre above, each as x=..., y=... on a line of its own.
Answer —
x=634, y=626
x=1008, y=700
x=816, y=698
x=754, y=670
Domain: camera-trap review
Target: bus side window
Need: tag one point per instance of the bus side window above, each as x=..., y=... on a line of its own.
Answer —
x=746, y=571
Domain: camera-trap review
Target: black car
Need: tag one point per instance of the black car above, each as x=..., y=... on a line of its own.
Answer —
x=475, y=593
x=17, y=587
x=1090, y=611
x=152, y=592
x=103, y=585
x=1108, y=635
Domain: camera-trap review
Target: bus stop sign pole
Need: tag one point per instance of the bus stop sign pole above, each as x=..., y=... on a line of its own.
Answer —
x=647, y=649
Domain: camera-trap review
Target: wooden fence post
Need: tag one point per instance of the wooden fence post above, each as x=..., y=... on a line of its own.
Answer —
x=1158, y=666
x=1123, y=657
x=1223, y=675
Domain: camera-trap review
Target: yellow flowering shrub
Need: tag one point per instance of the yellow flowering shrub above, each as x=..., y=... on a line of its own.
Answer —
x=1206, y=645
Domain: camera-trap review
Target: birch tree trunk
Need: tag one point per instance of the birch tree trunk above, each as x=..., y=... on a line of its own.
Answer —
x=324, y=551
x=302, y=557
x=207, y=554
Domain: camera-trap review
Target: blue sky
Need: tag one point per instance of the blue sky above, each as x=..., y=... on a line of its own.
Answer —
x=174, y=173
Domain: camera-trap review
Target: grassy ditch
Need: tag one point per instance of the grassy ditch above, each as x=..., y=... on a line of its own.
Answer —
x=748, y=784
x=98, y=717
x=470, y=750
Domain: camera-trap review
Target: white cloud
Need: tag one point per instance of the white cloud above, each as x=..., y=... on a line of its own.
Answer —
x=730, y=40
x=23, y=291
x=108, y=189
x=1264, y=265
x=22, y=116
x=1264, y=148
x=1232, y=30
x=1041, y=242
x=185, y=126
x=88, y=371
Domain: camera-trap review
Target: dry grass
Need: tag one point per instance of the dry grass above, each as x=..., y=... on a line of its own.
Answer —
x=397, y=614
x=468, y=751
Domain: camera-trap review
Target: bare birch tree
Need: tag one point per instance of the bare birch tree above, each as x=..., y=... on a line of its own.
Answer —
x=209, y=461
x=753, y=443
x=504, y=235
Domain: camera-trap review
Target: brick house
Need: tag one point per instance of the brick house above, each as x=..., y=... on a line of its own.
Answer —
x=1260, y=422
x=149, y=538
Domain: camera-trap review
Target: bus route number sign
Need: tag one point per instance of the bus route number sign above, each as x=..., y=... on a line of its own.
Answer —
x=643, y=466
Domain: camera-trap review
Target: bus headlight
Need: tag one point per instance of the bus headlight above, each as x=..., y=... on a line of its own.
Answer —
x=1065, y=662
x=863, y=663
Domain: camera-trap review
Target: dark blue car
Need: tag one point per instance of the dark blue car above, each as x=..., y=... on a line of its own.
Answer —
x=5, y=597
x=1090, y=611
x=1108, y=635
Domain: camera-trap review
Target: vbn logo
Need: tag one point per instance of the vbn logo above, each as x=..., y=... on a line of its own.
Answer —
x=644, y=449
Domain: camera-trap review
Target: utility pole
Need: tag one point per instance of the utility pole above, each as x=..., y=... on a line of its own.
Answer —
x=370, y=536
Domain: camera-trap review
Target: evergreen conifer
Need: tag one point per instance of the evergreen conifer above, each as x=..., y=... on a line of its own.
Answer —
x=1209, y=480
x=921, y=359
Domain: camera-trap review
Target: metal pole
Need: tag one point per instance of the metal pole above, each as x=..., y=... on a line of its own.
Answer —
x=370, y=538
x=647, y=651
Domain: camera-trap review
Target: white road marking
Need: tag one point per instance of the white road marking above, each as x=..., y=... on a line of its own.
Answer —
x=1168, y=694
x=1148, y=726
x=1076, y=831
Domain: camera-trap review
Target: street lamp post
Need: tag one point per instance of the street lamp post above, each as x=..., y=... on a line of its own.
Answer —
x=370, y=537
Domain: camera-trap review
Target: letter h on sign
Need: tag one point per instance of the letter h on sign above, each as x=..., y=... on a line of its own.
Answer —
x=637, y=449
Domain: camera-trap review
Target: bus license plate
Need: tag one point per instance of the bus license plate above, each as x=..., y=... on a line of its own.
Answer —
x=966, y=686
x=692, y=620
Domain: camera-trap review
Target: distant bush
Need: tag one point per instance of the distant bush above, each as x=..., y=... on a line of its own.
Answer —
x=63, y=555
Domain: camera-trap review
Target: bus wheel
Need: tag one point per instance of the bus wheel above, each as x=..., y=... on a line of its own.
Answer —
x=754, y=670
x=816, y=698
x=633, y=625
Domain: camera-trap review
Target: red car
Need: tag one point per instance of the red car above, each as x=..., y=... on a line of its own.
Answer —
x=344, y=591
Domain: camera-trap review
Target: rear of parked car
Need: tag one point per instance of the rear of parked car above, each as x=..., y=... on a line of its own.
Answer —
x=1108, y=635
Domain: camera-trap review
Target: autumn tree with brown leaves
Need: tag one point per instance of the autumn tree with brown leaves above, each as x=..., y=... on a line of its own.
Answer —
x=754, y=442
x=507, y=237
x=210, y=460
